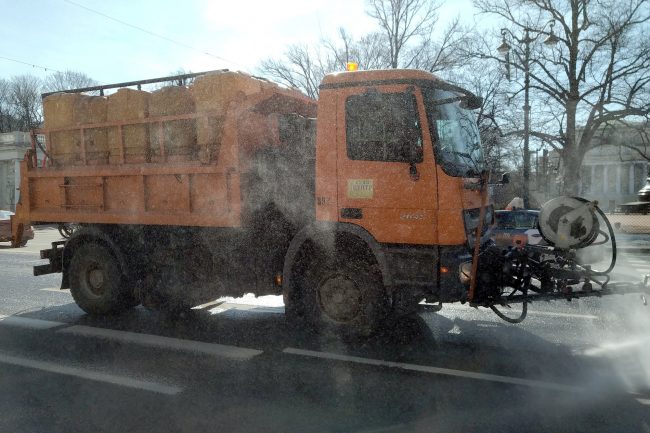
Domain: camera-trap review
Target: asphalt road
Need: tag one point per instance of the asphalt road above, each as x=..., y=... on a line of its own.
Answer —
x=234, y=366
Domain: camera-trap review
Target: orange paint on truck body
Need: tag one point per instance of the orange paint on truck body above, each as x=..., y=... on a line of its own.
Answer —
x=382, y=196
x=396, y=200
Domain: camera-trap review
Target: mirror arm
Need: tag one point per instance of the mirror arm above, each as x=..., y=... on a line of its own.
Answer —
x=413, y=171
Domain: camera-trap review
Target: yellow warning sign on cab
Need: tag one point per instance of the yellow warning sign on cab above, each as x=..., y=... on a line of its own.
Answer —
x=360, y=188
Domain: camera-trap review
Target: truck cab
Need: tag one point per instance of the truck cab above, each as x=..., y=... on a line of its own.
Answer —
x=398, y=177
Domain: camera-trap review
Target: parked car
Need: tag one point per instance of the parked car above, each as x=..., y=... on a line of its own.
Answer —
x=5, y=229
x=517, y=227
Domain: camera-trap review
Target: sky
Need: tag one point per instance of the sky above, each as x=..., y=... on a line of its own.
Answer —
x=194, y=35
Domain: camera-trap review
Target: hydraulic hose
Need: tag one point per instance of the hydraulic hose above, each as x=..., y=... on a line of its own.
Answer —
x=613, y=241
x=522, y=316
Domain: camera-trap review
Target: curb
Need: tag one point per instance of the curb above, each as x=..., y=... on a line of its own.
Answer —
x=642, y=250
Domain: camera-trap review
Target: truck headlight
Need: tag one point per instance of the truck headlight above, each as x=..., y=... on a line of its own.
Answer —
x=465, y=272
x=471, y=220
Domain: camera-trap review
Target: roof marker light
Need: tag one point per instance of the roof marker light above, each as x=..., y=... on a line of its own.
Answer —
x=351, y=66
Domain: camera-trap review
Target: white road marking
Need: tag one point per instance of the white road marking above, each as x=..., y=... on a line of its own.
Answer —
x=558, y=314
x=56, y=290
x=437, y=370
x=208, y=304
x=26, y=322
x=96, y=376
x=515, y=312
x=149, y=340
x=644, y=401
x=246, y=307
x=256, y=308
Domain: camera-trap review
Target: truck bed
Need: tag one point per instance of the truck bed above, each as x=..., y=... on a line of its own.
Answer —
x=203, y=188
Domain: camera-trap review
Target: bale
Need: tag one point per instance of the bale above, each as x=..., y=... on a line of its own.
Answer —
x=126, y=105
x=179, y=136
x=91, y=110
x=59, y=112
x=213, y=93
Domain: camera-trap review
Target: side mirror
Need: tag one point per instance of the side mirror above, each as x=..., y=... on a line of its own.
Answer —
x=472, y=102
x=505, y=179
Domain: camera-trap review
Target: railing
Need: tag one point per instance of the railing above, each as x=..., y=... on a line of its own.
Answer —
x=49, y=151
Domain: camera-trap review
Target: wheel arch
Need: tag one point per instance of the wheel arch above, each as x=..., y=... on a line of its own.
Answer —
x=323, y=234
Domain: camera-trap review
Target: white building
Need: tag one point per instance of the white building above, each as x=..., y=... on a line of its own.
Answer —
x=13, y=146
x=613, y=174
x=610, y=173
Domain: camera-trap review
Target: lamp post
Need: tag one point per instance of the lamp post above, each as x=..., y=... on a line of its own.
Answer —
x=504, y=49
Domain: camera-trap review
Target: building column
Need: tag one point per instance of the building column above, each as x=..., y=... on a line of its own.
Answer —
x=16, y=183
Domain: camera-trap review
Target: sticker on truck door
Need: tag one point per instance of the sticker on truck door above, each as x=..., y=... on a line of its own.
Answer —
x=360, y=188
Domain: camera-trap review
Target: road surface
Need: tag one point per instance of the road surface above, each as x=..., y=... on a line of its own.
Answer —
x=235, y=366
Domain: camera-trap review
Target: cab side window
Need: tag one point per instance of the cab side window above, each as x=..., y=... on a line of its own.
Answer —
x=383, y=127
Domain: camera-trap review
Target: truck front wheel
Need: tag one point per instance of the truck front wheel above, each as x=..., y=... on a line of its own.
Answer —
x=96, y=281
x=347, y=298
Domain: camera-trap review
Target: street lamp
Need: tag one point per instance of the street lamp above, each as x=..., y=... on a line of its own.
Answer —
x=504, y=49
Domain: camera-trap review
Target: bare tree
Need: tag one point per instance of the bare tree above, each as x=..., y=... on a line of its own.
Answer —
x=405, y=22
x=7, y=119
x=403, y=40
x=442, y=54
x=302, y=68
x=66, y=80
x=598, y=74
x=25, y=101
x=185, y=81
x=369, y=51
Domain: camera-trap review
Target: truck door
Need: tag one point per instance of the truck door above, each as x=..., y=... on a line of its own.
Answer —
x=385, y=168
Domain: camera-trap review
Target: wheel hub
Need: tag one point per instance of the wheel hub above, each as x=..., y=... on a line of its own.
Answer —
x=95, y=280
x=340, y=298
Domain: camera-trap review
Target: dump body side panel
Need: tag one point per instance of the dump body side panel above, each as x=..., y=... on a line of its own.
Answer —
x=165, y=195
x=202, y=187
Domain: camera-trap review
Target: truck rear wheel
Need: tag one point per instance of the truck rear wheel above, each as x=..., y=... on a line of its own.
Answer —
x=96, y=281
x=347, y=298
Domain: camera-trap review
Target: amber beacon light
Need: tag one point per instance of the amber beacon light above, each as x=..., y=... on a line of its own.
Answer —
x=351, y=66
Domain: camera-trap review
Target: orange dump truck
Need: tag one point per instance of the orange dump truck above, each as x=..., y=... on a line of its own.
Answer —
x=365, y=202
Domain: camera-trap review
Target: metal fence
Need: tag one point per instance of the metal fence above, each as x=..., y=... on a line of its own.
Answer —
x=630, y=223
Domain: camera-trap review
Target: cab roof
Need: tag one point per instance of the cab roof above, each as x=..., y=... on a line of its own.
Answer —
x=379, y=76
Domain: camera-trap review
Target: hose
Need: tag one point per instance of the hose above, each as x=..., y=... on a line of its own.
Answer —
x=612, y=238
x=592, y=237
x=522, y=316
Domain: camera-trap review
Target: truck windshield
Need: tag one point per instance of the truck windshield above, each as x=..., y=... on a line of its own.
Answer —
x=456, y=140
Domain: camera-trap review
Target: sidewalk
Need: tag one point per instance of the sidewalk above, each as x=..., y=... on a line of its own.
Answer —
x=633, y=223
x=632, y=232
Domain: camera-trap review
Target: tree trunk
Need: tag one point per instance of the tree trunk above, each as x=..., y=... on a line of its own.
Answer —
x=572, y=155
x=571, y=162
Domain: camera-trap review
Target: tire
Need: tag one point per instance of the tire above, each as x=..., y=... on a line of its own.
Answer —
x=344, y=297
x=23, y=243
x=96, y=281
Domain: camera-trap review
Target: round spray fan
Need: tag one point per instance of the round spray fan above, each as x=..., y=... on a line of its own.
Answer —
x=569, y=222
